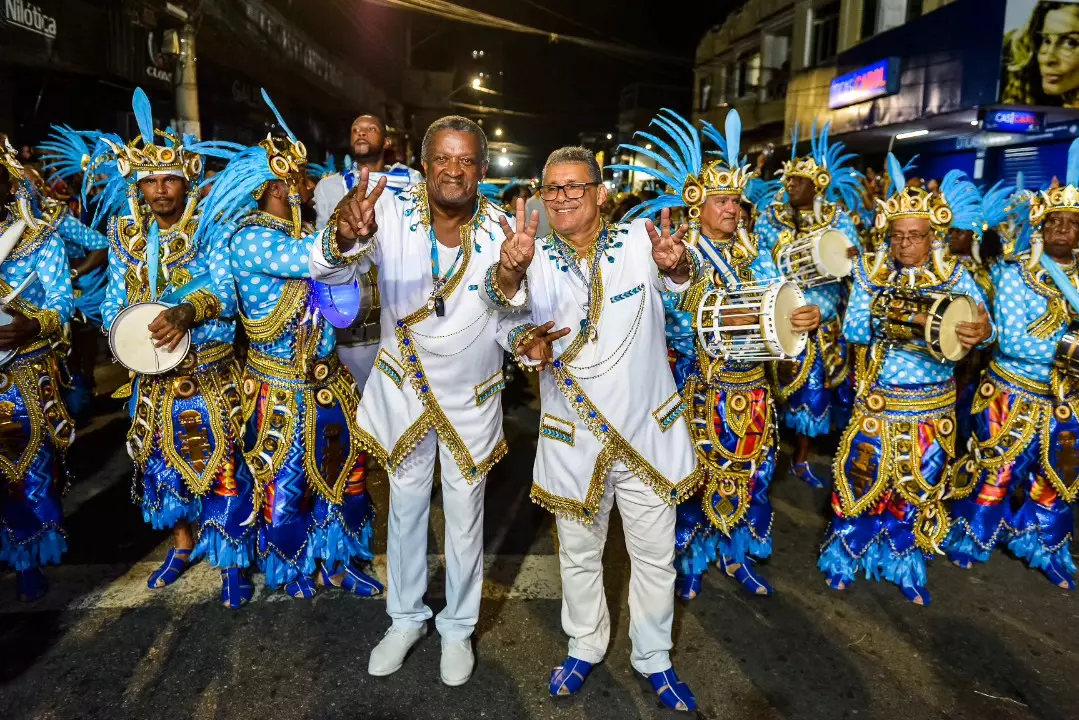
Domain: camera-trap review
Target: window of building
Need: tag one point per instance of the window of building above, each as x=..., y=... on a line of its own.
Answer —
x=749, y=74
x=823, y=33
x=776, y=64
x=704, y=93
x=721, y=87
x=882, y=15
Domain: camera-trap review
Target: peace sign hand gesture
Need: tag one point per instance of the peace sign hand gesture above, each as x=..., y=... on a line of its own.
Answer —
x=517, y=250
x=668, y=251
x=356, y=212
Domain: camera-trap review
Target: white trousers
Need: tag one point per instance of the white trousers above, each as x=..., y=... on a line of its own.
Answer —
x=406, y=542
x=649, y=527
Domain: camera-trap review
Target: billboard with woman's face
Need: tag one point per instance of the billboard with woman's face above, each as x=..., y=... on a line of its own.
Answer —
x=1041, y=53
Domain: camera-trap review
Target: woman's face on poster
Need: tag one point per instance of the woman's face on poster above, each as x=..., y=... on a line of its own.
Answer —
x=1058, y=50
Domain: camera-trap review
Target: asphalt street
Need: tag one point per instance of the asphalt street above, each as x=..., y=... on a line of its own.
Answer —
x=997, y=642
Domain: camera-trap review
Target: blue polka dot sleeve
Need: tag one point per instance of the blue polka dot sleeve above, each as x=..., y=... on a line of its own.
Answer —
x=259, y=250
x=51, y=265
x=77, y=233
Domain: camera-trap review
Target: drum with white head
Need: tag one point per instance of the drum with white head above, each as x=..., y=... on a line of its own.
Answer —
x=899, y=315
x=133, y=345
x=5, y=317
x=768, y=334
x=817, y=258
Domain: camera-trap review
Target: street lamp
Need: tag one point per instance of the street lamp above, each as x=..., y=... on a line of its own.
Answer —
x=476, y=83
x=504, y=162
x=503, y=149
x=610, y=136
x=498, y=132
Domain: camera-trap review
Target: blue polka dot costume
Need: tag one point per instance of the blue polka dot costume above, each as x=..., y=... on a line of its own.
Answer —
x=300, y=403
x=808, y=386
x=890, y=469
x=39, y=428
x=1018, y=482
x=79, y=241
x=187, y=423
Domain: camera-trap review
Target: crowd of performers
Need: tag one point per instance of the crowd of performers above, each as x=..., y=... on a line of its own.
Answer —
x=957, y=437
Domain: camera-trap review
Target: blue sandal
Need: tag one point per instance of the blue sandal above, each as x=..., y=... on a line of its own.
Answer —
x=568, y=678
x=31, y=584
x=962, y=560
x=687, y=587
x=1058, y=575
x=672, y=692
x=301, y=588
x=751, y=581
x=838, y=582
x=353, y=581
x=917, y=594
x=175, y=564
x=803, y=472
x=236, y=590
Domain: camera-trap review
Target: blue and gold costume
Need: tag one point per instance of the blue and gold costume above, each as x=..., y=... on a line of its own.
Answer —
x=35, y=427
x=890, y=470
x=1025, y=425
x=299, y=400
x=187, y=423
x=731, y=415
x=807, y=387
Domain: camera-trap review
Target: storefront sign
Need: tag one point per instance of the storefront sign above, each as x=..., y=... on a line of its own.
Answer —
x=1013, y=121
x=873, y=81
x=294, y=44
x=159, y=66
x=28, y=16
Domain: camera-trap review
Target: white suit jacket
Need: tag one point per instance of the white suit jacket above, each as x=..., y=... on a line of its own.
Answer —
x=608, y=399
x=434, y=372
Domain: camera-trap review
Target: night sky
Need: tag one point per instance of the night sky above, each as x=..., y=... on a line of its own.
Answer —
x=574, y=89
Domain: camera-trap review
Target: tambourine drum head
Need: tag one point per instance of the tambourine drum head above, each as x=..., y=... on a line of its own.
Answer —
x=788, y=300
x=960, y=310
x=831, y=254
x=340, y=304
x=133, y=344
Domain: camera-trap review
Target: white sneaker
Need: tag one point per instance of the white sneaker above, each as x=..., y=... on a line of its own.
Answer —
x=457, y=662
x=390, y=653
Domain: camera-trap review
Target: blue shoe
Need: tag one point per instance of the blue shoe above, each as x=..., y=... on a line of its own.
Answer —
x=352, y=581
x=1057, y=575
x=751, y=581
x=687, y=587
x=301, y=588
x=837, y=581
x=568, y=678
x=672, y=692
x=31, y=584
x=236, y=590
x=803, y=472
x=171, y=570
x=916, y=594
x=962, y=560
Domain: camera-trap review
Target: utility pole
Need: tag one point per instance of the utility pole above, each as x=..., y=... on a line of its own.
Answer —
x=181, y=45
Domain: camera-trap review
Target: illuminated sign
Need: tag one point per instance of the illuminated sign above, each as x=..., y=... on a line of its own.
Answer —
x=873, y=81
x=1013, y=121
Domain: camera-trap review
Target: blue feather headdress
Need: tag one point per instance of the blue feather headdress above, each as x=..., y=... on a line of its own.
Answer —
x=237, y=188
x=66, y=152
x=762, y=193
x=317, y=171
x=680, y=164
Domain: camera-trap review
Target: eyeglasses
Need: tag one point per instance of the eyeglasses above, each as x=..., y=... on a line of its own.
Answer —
x=912, y=239
x=573, y=191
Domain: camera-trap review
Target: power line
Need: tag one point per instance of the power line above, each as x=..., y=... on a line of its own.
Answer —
x=449, y=11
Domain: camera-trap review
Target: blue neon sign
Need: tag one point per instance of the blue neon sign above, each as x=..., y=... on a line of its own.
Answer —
x=1013, y=121
x=873, y=81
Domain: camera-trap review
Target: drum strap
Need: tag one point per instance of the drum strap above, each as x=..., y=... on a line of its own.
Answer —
x=200, y=282
x=718, y=261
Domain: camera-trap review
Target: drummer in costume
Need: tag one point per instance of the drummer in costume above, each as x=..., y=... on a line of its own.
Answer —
x=35, y=427
x=1024, y=447
x=800, y=216
x=600, y=442
x=731, y=416
x=66, y=155
x=187, y=422
x=315, y=516
x=890, y=469
x=436, y=388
